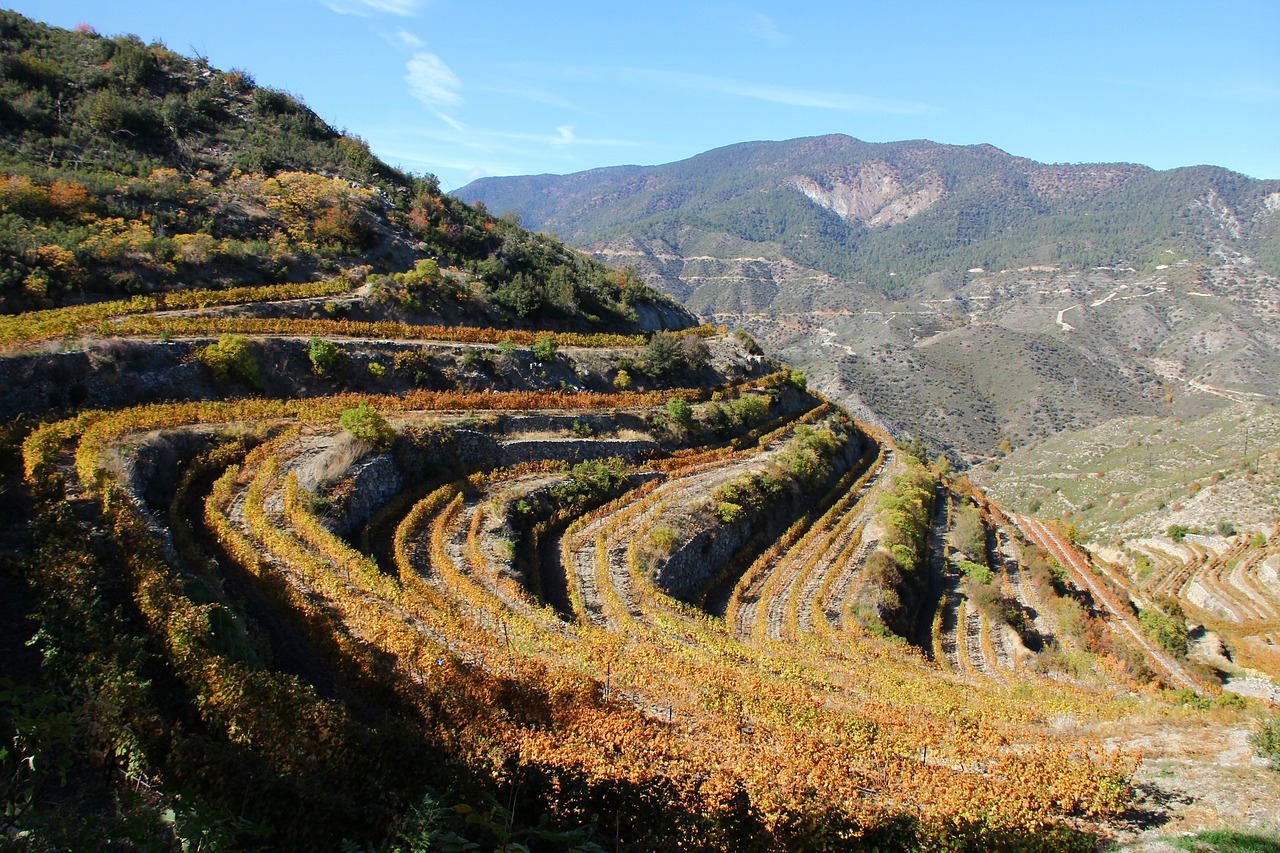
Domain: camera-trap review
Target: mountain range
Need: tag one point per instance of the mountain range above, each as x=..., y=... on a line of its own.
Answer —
x=899, y=275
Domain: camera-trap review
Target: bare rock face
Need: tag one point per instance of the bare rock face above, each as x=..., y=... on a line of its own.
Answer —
x=871, y=193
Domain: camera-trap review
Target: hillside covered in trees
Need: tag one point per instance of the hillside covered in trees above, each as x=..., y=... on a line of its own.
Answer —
x=134, y=171
x=898, y=274
x=904, y=219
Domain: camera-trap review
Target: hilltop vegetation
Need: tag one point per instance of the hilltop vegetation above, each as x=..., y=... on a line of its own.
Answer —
x=129, y=169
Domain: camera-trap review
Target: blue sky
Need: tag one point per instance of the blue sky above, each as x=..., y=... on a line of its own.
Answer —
x=465, y=88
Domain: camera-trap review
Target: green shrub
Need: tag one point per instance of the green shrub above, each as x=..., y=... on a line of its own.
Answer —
x=326, y=359
x=680, y=412
x=232, y=358
x=729, y=512
x=1178, y=532
x=544, y=349
x=1266, y=741
x=748, y=343
x=589, y=482
x=662, y=354
x=970, y=535
x=904, y=556
x=1168, y=632
x=367, y=425
x=668, y=353
x=750, y=409
x=976, y=572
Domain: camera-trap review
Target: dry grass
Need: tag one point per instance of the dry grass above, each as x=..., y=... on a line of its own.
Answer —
x=332, y=464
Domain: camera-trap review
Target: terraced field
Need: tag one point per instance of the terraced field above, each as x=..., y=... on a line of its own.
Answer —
x=607, y=593
x=1229, y=586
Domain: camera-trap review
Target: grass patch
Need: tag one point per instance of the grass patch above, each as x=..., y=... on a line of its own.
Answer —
x=1228, y=841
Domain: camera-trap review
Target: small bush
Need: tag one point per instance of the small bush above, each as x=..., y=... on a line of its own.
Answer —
x=680, y=412
x=975, y=572
x=1266, y=741
x=662, y=354
x=367, y=425
x=622, y=381
x=589, y=482
x=750, y=409
x=544, y=349
x=326, y=359
x=904, y=556
x=1178, y=532
x=232, y=358
x=729, y=512
x=1168, y=632
x=970, y=535
x=748, y=343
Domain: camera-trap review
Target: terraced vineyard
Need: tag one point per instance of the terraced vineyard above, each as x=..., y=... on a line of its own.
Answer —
x=340, y=515
x=1228, y=585
x=753, y=605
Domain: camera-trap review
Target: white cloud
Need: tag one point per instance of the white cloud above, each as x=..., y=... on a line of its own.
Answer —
x=532, y=93
x=365, y=8
x=408, y=39
x=815, y=98
x=763, y=27
x=432, y=82
x=472, y=152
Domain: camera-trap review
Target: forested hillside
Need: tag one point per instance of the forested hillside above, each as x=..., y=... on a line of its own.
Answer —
x=896, y=275
x=861, y=212
x=131, y=170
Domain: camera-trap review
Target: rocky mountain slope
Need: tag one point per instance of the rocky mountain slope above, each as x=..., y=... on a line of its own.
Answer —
x=899, y=275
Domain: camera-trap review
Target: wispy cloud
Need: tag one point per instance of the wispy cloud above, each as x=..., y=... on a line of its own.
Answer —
x=500, y=141
x=473, y=151
x=791, y=96
x=764, y=28
x=407, y=39
x=432, y=82
x=535, y=94
x=366, y=8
